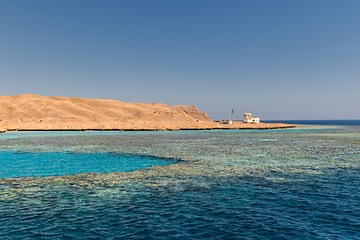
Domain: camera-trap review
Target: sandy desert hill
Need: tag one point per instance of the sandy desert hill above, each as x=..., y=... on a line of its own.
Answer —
x=34, y=112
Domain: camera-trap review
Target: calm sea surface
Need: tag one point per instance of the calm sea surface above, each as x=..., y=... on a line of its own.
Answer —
x=319, y=122
x=249, y=184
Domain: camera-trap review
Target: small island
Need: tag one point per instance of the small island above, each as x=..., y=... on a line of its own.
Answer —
x=29, y=112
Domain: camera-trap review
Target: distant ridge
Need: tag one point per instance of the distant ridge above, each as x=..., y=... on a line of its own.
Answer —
x=30, y=111
x=33, y=112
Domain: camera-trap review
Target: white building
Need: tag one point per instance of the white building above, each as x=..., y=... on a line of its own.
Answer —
x=249, y=119
x=226, y=122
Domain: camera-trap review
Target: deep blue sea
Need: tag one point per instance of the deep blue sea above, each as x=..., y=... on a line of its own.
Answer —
x=319, y=122
x=240, y=184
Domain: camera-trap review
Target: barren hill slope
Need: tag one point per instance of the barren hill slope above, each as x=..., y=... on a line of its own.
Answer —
x=32, y=112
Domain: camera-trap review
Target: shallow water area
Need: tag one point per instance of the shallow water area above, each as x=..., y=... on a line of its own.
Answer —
x=237, y=184
x=44, y=164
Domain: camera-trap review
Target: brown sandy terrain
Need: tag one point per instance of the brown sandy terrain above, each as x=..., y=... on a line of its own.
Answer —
x=33, y=112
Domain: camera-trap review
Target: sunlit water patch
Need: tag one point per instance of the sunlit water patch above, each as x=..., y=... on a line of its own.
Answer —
x=41, y=164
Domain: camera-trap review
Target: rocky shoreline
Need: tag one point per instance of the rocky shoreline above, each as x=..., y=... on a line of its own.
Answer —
x=215, y=126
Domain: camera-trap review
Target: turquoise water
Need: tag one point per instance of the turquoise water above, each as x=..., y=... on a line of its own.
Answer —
x=272, y=184
x=42, y=164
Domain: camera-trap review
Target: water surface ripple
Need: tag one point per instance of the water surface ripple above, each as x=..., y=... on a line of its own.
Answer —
x=231, y=185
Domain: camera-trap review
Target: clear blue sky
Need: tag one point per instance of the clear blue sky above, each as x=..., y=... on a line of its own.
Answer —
x=279, y=59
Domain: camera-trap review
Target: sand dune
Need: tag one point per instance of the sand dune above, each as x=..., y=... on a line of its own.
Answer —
x=34, y=112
